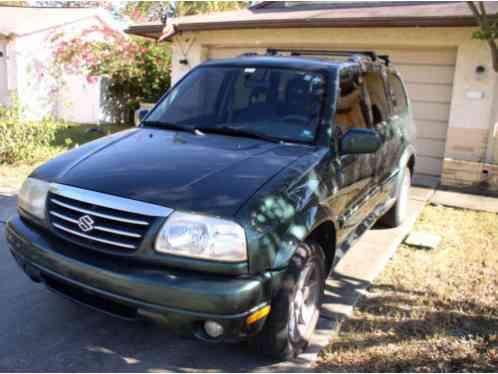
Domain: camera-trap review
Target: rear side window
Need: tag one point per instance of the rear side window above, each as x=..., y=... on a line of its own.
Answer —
x=398, y=94
x=378, y=104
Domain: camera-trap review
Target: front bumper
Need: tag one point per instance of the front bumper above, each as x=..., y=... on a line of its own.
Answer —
x=183, y=300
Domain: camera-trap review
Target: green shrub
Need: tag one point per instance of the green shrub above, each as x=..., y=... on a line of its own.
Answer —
x=25, y=141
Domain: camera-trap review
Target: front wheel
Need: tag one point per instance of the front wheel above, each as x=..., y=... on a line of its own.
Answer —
x=398, y=213
x=296, y=308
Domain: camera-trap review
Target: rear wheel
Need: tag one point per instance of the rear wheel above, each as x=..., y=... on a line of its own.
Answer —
x=398, y=213
x=296, y=308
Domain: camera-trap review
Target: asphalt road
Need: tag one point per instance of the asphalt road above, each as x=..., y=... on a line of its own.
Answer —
x=40, y=331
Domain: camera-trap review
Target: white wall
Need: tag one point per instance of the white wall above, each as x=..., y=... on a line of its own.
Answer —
x=3, y=72
x=80, y=101
x=76, y=101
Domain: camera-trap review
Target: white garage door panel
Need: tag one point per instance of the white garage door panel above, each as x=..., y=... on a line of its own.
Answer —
x=425, y=110
x=429, y=147
x=428, y=74
x=428, y=165
x=432, y=129
x=431, y=74
x=217, y=53
x=429, y=92
x=438, y=56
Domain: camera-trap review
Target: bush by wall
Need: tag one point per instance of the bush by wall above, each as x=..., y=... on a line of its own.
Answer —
x=134, y=69
x=23, y=140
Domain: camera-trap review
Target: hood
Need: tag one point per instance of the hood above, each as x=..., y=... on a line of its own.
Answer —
x=210, y=174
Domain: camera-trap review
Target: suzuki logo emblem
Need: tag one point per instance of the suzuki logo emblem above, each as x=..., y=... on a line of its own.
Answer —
x=85, y=223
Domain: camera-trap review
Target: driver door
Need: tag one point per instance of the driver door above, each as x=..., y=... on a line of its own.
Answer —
x=355, y=173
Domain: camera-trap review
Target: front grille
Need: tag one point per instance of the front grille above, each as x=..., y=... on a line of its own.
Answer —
x=99, y=221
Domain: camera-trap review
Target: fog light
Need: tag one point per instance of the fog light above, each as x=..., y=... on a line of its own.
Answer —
x=213, y=329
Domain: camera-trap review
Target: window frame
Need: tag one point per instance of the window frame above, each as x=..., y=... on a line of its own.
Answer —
x=326, y=73
x=392, y=100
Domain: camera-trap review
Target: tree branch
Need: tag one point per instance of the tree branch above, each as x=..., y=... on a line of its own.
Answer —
x=482, y=20
x=484, y=16
x=474, y=10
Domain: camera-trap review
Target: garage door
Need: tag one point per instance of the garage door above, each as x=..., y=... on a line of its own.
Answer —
x=428, y=74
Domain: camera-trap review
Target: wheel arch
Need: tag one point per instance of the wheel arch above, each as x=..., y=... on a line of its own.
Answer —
x=407, y=159
x=411, y=163
x=324, y=234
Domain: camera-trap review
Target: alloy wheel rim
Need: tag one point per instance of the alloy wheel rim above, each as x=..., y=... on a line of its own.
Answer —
x=304, y=307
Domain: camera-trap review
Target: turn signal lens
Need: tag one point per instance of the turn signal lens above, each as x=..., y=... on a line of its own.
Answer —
x=256, y=316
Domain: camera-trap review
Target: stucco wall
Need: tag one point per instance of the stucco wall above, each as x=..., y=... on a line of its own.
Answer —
x=474, y=97
x=473, y=105
x=3, y=71
x=30, y=56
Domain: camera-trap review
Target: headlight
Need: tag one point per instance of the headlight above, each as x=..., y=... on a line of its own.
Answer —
x=193, y=235
x=33, y=196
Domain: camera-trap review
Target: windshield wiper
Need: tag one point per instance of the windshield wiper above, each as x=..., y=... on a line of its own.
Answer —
x=171, y=126
x=226, y=130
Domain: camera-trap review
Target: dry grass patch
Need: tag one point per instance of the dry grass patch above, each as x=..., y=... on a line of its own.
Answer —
x=430, y=310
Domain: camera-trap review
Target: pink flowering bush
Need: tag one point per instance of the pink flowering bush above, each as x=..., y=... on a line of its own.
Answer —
x=136, y=70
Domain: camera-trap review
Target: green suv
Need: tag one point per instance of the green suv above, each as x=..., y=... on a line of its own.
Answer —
x=225, y=211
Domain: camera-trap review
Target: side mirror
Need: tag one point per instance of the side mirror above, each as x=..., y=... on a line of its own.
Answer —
x=141, y=114
x=360, y=141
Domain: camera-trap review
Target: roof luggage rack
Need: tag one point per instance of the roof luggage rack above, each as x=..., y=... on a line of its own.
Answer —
x=385, y=58
x=355, y=55
x=248, y=54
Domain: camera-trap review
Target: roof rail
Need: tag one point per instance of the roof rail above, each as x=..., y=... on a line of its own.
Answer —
x=353, y=54
x=248, y=54
x=385, y=58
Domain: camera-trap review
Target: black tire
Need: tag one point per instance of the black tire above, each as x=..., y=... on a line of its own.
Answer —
x=398, y=212
x=275, y=339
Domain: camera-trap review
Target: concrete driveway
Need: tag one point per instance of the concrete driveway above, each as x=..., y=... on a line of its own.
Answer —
x=40, y=331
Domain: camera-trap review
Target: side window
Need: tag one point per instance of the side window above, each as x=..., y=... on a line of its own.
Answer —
x=351, y=106
x=377, y=94
x=398, y=94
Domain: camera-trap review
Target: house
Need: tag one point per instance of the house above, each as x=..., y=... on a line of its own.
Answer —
x=26, y=53
x=449, y=75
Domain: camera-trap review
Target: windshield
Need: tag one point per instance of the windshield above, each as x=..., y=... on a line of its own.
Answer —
x=274, y=103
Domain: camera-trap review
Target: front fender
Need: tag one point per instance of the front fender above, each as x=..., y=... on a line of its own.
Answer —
x=272, y=249
x=300, y=229
x=287, y=210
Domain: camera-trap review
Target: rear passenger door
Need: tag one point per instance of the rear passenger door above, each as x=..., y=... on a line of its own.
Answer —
x=399, y=120
x=383, y=122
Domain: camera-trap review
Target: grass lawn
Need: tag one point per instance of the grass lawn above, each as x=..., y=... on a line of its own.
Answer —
x=69, y=136
x=430, y=311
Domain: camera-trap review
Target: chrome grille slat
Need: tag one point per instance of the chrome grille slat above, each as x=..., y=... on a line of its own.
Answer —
x=120, y=204
x=105, y=241
x=101, y=215
x=97, y=227
x=99, y=221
